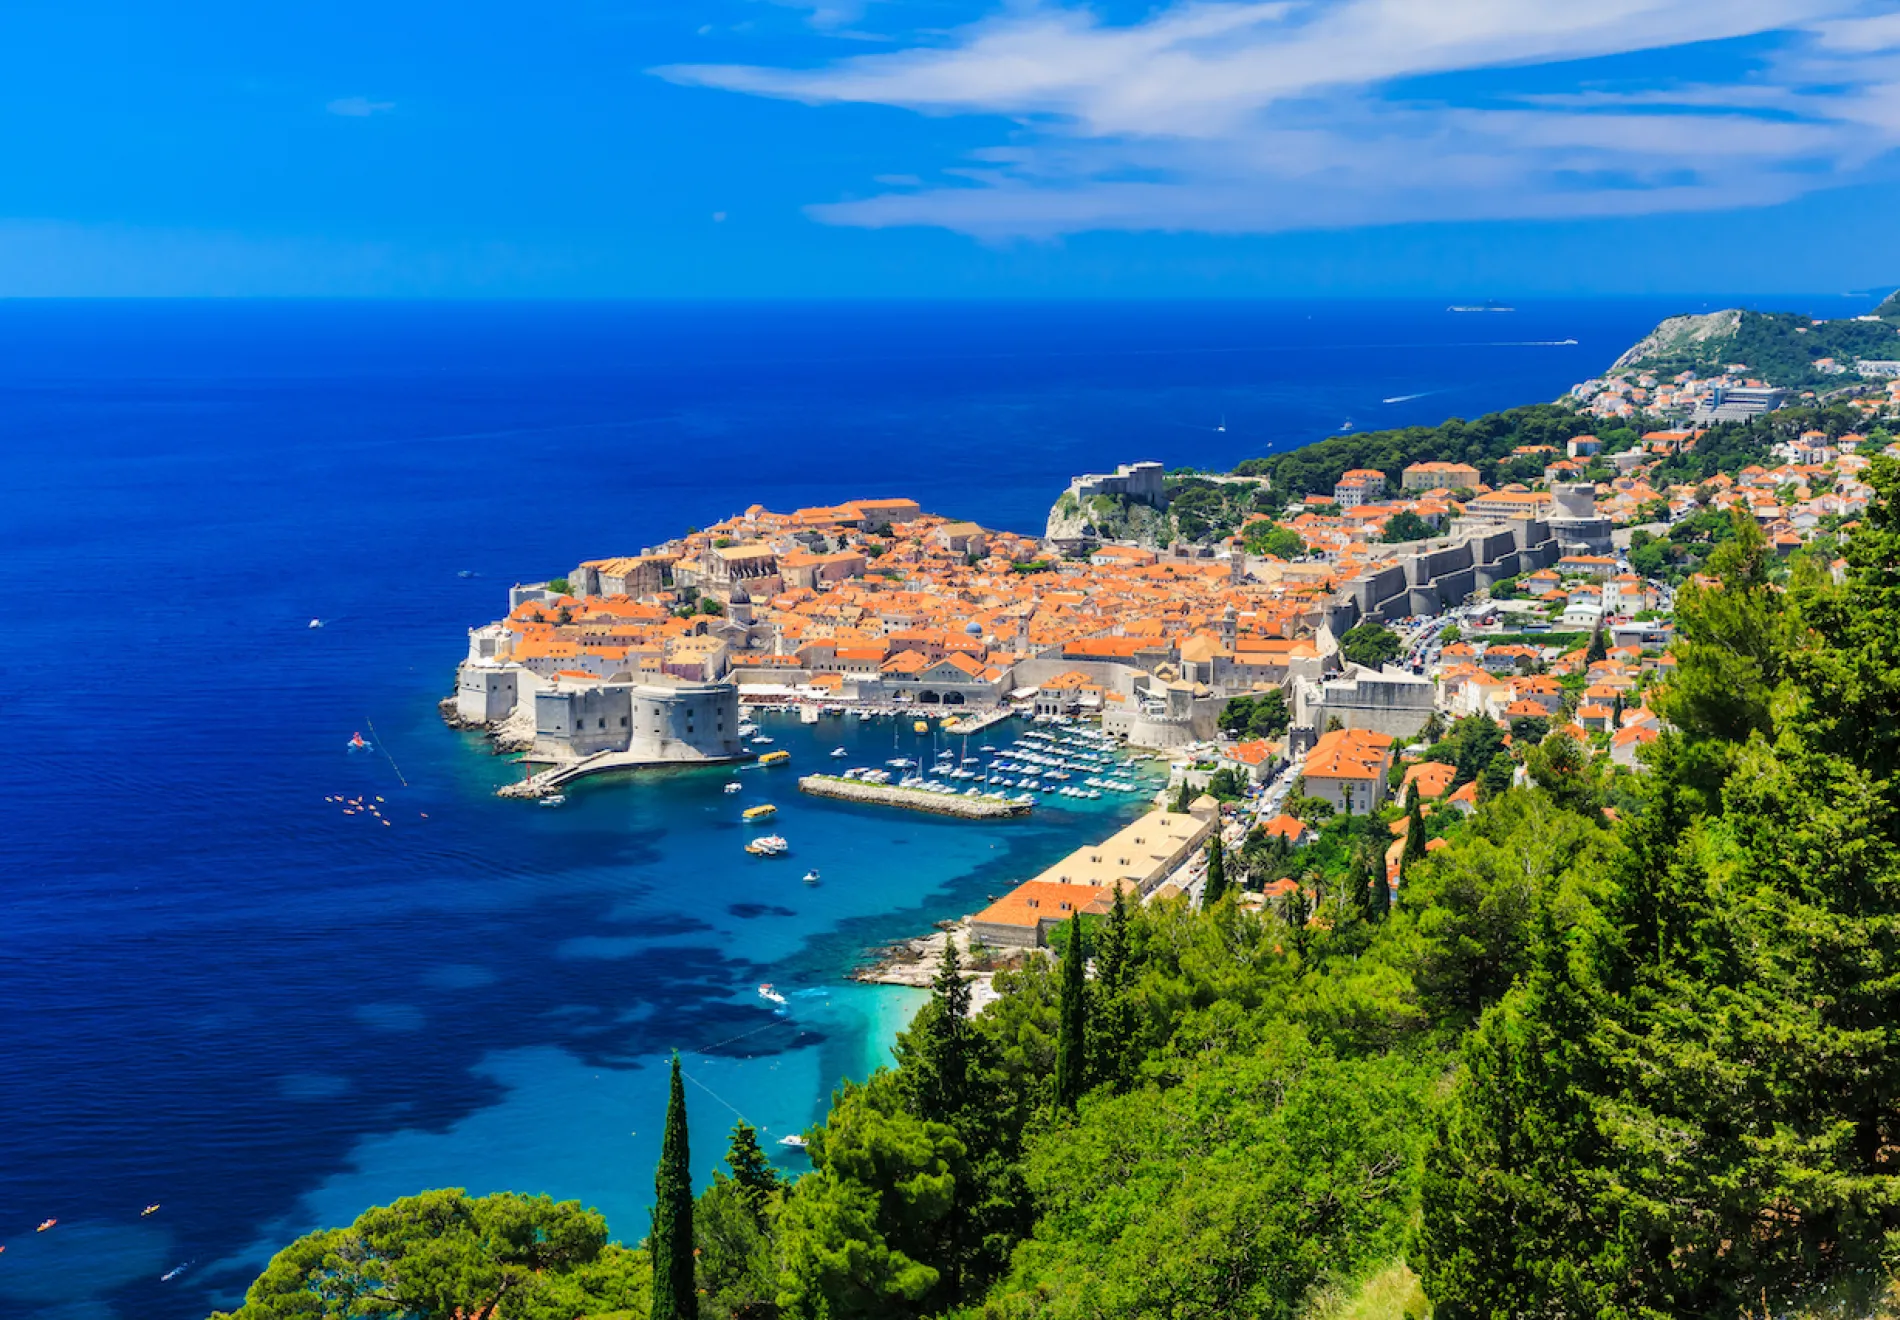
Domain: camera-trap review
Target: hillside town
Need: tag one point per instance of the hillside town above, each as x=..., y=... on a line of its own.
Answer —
x=1307, y=670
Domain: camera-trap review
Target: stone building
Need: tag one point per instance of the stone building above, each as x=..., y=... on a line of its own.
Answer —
x=656, y=718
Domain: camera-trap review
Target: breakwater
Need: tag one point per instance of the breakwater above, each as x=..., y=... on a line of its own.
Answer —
x=912, y=799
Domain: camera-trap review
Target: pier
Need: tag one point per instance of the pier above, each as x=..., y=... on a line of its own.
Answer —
x=969, y=724
x=985, y=807
x=544, y=783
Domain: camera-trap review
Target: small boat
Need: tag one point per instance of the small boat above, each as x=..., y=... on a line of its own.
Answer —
x=795, y=1142
x=759, y=812
x=775, y=758
x=811, y=877
x=733, y=787
x=839, y=751
x=149, y=1210
x=768, y=845
x=553, y=800
x=767, y=992
x=174, y=1272
x=762, y=740
x=316, y=623
x=357, y=743
x=48, y=1224
x=808, y=714
x=921, y=727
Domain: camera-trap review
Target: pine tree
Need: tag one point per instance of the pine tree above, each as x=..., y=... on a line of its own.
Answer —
x=939, y=1052
x=750, y=1168
x=1414, y=833
x=1216, y=887
x=675, y=1296
x=1072, y=1028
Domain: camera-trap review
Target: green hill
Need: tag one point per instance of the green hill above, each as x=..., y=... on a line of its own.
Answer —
x=1780, y=347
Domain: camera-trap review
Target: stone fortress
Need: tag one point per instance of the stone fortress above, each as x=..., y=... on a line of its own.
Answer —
x=1478, y=553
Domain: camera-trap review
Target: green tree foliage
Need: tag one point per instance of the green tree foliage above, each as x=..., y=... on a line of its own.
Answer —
x=750, y=1169
x=1406, y=526
x=1183, y=797
x=1686, y=1106
x=1598, y=650
x=858, y=1238
x=1215, y=887
x=1469, y=747
x=1261, y=716
x=1113, y=1039
x=1483, y=443
x=675, y=1292
x=1262, y=537
x=1266, y=1172
x=1370, y=644
x=445, y=1255
x=1072, y=1037
x=1414, y=830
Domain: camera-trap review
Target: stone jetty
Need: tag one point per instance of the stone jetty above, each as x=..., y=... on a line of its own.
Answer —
x=912, y=799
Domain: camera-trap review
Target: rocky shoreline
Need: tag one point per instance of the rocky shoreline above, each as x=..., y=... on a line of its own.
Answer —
x=514, y=734
x=914, y=963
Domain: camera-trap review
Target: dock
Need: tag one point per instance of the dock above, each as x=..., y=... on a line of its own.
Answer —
x=983, y=807
x=968, y=724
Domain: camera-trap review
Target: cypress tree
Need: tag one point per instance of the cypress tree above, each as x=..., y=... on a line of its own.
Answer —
x=1378, y=892
x=1597, y=649
x=1111, y=1017
x=1414, y=832
x=675, y=1296
x=1181, y=799
x=1072, y=1029
x=1216, y=885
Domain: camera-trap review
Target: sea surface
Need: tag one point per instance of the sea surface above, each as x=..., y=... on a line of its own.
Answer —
x=221, y=995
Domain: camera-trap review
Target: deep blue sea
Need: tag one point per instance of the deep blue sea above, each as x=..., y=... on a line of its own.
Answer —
x=221, y=995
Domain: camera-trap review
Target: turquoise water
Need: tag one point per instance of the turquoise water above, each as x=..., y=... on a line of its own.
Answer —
x=224, y=996
x=578, y=1128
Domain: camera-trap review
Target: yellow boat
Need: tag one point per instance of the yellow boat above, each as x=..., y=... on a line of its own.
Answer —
x=759, y=812
x=921, y=726
x=775, y=758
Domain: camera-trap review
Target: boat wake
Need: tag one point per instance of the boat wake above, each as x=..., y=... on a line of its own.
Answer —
x=1407, y=398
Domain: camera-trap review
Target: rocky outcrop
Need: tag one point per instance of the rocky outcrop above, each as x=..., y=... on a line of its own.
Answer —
x=1679, y=335
x=1108, y=518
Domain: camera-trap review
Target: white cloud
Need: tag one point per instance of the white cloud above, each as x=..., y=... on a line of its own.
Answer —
x=359, y=107
x=1258, y=115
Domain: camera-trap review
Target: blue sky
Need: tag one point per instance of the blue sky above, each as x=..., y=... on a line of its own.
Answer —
x=940, y=148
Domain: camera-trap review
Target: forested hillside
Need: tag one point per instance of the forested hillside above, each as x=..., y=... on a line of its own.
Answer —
x=1485, y=443
x=1625, y=1062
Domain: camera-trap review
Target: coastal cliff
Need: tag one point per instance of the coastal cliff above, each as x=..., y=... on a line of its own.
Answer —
x=1680, y=336
x=1107, y=518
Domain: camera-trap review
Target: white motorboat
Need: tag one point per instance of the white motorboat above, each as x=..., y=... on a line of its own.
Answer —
x=795, y=1142
x=767, y=992
x=733, y=786
x=839, y=751
x=554, y=800
x=811, y=877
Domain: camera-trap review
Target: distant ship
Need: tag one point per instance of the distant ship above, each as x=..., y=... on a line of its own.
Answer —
x=1481, y=307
